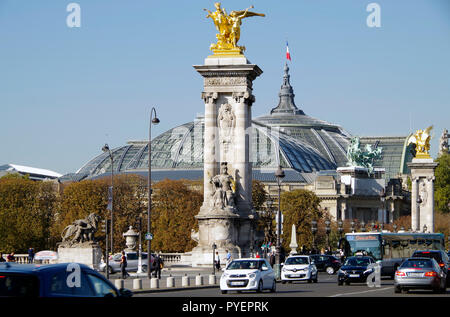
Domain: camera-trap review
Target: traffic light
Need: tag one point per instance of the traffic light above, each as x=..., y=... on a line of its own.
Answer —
x=106, y=224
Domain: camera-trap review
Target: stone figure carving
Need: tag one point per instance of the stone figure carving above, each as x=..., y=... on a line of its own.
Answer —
x=195, y=235
x=227, y=122
x=423, y=193
x=224, y=189
x=81, y=230
x=422, y=141
x=363, y=157
x=443, y=142
x=229, y=27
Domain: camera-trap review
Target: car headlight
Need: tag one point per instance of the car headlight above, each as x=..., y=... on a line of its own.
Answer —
x=252, y=275
x=368, y=271
x=342, y=272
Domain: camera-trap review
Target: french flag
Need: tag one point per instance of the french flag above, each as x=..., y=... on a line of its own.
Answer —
x=288, y=55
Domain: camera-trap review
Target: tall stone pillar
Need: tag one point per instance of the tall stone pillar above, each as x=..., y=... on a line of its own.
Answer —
x=226, y=217
x=422, y=196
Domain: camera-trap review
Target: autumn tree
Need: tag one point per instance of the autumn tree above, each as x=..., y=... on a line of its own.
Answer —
x=442, y=184
x=27, y=210
x=299, y=207
x=175, y=205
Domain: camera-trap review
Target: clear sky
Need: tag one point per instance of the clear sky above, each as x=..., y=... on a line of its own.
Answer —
x=65, y=92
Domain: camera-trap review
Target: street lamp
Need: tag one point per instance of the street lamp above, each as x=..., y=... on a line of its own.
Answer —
x=314, y=231
x=105, y=149
x=279, y=174
x=383, y=202
x=340, y=228
x=363, y=226
x=153, y=120
x=328, y=230
x=214, y=247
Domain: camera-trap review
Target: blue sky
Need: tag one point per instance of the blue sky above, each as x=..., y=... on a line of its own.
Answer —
x=65, y=92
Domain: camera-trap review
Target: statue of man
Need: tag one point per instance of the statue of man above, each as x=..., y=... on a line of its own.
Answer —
x=223, y=188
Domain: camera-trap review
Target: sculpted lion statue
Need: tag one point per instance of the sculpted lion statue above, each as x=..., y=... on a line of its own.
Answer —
x=81, y=230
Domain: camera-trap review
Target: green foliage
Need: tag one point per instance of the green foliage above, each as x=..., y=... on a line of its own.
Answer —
x=442, y=184
x=299, y=207
x=259, y=195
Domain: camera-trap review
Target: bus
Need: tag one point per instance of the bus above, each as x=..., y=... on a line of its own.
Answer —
x=391, y=248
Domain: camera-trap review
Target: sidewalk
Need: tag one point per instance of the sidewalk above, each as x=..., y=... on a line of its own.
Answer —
x=177, y=272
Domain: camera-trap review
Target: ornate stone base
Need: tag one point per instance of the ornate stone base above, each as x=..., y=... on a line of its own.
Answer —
x=89, y=255
x=228, y=232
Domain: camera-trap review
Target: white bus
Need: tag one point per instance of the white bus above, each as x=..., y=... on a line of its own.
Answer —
x=390, y=248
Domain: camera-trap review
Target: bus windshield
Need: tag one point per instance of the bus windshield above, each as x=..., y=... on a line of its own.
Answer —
x=368, y=245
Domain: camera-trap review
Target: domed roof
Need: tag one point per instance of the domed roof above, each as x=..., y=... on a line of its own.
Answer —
x=287, y=136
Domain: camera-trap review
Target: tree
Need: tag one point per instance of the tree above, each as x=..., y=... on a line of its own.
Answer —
x=299, y=207
x=259, y=195
x=442, y=184
x=27, y=210
x=173, y=215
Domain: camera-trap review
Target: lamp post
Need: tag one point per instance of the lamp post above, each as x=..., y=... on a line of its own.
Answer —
x=314, y=231
x=340, y=228
x=363, y=226
x=383, y=204
x=268, y=225
x=105, y=149
x=279, y=174
x=139, y=227
x=214, y=247
x=153, y=120
x=328, y=230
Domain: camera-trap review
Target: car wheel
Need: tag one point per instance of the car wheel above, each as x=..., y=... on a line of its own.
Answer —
x=404, y=290
x=398, y=289
x=330, y=270
x=144, y=268
x=283, y=282
x=274, y=287
x=260, y=287
x=310, y=281
x=110, y=270
x=224, y=292
x=347, y=283
x=340, y=283
x=315, y=280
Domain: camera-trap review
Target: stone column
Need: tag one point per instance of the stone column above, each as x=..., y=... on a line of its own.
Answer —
x=228, y=98
x=422, y=175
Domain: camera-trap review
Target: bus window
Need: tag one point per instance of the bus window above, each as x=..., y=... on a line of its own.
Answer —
x=413, y=242
x=420, y=242
x=428, y=242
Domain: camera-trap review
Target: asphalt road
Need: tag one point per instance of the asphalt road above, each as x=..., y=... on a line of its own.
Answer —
x=326, y=287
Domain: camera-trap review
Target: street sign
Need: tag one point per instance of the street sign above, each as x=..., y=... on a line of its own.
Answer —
x=148, y=236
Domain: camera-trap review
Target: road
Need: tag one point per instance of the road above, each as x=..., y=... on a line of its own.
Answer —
x=326, y=287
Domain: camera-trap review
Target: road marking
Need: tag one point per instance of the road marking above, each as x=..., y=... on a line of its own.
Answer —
x=355, y=293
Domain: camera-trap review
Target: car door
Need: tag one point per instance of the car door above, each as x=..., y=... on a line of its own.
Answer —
x=132, y=261
x=267, y=273
x=68, y=283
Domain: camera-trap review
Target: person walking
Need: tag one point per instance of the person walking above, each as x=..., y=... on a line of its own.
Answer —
x=228, y=258
x=217, y=261
x=257, y=255
x=272, y=259
x=159, y=264
x=30, y=255
x=123, y=265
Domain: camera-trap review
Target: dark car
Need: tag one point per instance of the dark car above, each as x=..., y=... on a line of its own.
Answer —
x=326, y=263
x=55, y=280
x=441, y=258
x=355, y=269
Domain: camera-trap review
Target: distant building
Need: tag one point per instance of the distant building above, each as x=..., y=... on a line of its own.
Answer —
x=37, y=174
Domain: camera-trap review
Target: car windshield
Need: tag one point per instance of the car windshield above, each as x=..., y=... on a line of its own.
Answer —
x=18, y=285
x=417, y=263
x=297, y=260
x=357, y=262
x=244, y=265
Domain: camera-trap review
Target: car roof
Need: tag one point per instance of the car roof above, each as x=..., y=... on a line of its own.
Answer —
x=428, y=251
x=35, y=268
x=249, y=259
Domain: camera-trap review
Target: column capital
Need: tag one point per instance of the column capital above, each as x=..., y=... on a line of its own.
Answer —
x=243, y=97
x=209, y=97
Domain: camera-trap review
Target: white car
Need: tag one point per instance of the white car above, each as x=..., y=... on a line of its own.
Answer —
x=246, y=275
x=299, y=268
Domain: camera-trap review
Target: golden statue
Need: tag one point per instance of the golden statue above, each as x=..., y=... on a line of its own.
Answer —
x=229, y=28
x=422, y=141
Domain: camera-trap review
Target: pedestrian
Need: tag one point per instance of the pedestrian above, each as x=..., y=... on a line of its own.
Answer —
x=272, y=259
x=217, y=261
x=1, y=258
x=123, y=265
x=30, y=255
x=257, y=255
x=229, y=258
x=11, y=257
x=159, y=264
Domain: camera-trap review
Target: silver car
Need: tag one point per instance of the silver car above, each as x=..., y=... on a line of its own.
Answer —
x=132, y=262
x=420, y=273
